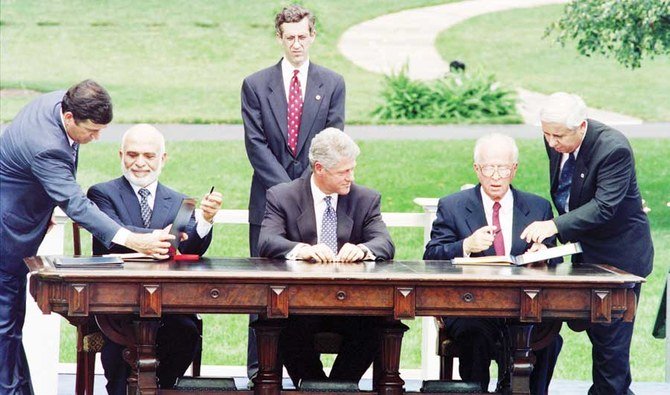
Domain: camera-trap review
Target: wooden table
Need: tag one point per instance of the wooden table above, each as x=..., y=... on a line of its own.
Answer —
x=276, y=288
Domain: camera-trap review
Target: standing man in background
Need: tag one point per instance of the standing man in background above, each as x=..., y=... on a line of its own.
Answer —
x=283, y=107
x=38, y=164
x=595, y=191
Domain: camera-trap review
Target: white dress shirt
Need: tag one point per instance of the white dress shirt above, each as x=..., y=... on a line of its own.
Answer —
x=505, y=215
x=287, y=75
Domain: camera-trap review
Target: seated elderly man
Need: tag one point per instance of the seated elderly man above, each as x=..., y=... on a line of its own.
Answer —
x=139, y=202
x=326, y=217
x=487, y=220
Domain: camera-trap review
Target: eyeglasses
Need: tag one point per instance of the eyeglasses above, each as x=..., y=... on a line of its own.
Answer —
x=504, y=171
x=292, y=39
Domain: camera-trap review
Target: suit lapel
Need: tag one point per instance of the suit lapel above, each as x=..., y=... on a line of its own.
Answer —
x=475, y=217
x=581, y=165
x=131, y=203
x=311, y=105
x=345, y=223
x=519, y=222
x=162, y=204
x=277, y=99
x=306, y=220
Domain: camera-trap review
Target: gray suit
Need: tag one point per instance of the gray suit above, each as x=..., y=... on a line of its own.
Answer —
x=37, y=173
x=289, y=220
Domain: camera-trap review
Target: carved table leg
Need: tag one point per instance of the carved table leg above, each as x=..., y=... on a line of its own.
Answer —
x=269, y=378
x=523, y=358
x=390, y=382
x=145, y=367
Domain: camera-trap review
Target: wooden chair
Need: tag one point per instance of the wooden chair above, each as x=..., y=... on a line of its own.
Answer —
x=90, y=340
x=448, y=349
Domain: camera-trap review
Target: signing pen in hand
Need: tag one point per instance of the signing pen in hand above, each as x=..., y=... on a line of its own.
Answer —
x=210, y=192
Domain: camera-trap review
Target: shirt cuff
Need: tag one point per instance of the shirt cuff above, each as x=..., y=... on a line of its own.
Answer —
x=369, y=256
x=293, y=254
x=202, y=226
x=121, y=237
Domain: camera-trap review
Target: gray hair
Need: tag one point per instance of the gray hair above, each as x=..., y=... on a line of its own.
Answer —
x=497, y=139
x=144, y=128
x=331, y=146
x=564, y=108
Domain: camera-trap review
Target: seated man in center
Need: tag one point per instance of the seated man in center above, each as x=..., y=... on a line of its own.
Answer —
x=139, y=202
x=488, y=220
x=325, y=217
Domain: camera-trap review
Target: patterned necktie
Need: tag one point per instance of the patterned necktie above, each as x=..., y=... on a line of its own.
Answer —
x=498, y=242
x=144, y=206
x=294, y=112
x=564, y=183
x=75, y=153
x=329, y=226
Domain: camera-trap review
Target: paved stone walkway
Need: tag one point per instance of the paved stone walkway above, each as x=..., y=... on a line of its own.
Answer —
x=386, y=43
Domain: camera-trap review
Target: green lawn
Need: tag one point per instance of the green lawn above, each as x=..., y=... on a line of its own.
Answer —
x=519, y=56
x=175, y=61
x=425, y=169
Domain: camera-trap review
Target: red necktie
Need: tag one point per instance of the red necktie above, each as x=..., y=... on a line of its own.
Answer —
x=498, y=242
x=294, y=112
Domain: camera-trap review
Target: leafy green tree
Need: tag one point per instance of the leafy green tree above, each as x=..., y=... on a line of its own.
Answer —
x=627, y=30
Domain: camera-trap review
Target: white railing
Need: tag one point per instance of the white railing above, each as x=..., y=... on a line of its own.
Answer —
x=42, y=345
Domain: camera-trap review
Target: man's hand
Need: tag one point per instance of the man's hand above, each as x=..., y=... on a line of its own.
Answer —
x=479, y=241
x=538, y=231
x=536, y=247
x=182, y=235
x=350, y=253
x=155, y=243
x=210, y=205
x=317, y=253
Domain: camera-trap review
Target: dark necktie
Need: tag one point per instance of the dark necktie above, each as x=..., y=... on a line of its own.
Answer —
x=144, y=206
x=329, y=226
x=498, y=242
x=294, y=112
x=75, y=153
x=564, y=183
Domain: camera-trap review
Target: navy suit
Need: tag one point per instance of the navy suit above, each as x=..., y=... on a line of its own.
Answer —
x=37, y=173
x=177, y=338
x=289, y=220
x=264, y=114
x=458, y=216
x=606, y=217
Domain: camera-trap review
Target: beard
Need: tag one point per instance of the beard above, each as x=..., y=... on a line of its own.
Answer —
x=141, y=181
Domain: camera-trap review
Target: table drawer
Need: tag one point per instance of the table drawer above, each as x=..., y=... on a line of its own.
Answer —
x=233, y=295
x=466, y=298
x=364, y=297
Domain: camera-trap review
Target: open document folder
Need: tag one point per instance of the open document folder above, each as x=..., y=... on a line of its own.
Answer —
x=529, y=257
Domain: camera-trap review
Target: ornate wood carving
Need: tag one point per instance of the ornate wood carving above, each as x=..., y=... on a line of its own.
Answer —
x=150, y=300
x=531, y=308
x=601, y=305
x=78, y=300
x=278, y=302
x=404, y=303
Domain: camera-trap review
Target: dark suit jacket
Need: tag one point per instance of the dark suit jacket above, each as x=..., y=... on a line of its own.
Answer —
x=264, y=112
x=117, y=199
x=605, y=214
x=289, y=220
x=459, y=215
x=37, y=173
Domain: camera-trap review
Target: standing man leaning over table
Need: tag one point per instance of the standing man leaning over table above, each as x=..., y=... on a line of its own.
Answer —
x=283, y=107
x=326, y=217
x=483, y=221
x=38, y=165
x=595, y=191
x=138, y=201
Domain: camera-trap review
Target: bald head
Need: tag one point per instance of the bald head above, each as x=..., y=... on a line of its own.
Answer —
x=142, y=154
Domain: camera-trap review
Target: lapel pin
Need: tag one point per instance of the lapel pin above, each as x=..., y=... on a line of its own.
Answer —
x=318, y=97
x=582, y=175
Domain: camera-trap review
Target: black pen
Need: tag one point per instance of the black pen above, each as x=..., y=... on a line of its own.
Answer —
x=210, y=192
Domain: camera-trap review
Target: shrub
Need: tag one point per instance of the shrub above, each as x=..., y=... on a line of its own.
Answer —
x=456, y=98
